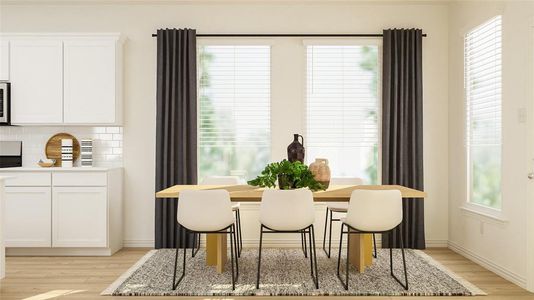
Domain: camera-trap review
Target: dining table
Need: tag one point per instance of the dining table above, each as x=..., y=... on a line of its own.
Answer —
x=361, y=246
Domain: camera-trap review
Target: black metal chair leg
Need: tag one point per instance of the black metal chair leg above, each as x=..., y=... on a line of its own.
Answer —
x=232, y=231
x=236, y=254
x=240, y=237
x=339, y=251
x=311, y=251
x=259, y=259
x=405, y=285
x=304, y=245
x=324, y=234
x=330, y=236
x=345, y=284
x=175, y=284
x=314, y=257
x=196, y=244
x=375, y=254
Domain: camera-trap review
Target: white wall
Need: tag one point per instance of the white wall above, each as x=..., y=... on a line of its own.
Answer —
x=498, y=245
x=137, y=21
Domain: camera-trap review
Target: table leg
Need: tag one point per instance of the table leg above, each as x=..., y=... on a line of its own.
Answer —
x=361, y=251
x=216, y=250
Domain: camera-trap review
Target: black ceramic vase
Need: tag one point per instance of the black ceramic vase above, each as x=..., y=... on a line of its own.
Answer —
x=295, y=150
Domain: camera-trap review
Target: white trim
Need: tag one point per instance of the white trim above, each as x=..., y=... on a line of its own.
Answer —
x=282, y=243
x=46, y=251
x=234, y=41
x=530, y=184
x=489, y=264
x=347, y=41
x=112, y=287
x=138, y=243
x=486, y=212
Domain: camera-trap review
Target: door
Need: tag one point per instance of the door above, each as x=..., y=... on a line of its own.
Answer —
x=4, y=60
x=36, y=75
x=89, y=82
x=28, y=217
x=79, y=217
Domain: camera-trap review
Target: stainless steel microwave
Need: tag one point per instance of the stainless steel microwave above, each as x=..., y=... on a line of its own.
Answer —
x=5, y=104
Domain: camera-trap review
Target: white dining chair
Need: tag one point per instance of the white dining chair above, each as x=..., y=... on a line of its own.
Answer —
x=206, y=212
x=225, y=180
x=339, y=208
x=288, y=211
x=372, y=211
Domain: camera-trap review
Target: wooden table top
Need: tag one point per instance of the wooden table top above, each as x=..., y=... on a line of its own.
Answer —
x=247, y=193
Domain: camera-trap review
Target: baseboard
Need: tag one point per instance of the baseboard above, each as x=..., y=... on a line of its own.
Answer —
x=138, y=243
x=58, y=251
x=488, y=264
x=282, y=243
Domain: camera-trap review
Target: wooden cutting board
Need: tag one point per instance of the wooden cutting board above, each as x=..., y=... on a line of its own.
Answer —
x=53, y=148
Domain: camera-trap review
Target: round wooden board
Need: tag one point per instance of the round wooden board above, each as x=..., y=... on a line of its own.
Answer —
x=53, y=148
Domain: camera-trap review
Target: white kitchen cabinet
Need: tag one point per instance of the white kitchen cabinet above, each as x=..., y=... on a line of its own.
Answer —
x=90, y=81
x=63, y=211
x=36, y=76
x=63, y=79
x=79, y=217
x=4, y=59
x=27, y=217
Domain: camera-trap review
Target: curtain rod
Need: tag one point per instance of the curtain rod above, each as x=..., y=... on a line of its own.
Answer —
x=287, y=35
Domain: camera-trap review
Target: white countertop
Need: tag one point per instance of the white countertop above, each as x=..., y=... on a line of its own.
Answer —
x=57, y=169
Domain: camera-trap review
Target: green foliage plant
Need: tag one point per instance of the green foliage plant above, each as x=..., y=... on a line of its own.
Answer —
x=290, y=175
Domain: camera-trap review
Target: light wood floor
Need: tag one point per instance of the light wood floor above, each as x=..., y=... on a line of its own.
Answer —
x=40, y=278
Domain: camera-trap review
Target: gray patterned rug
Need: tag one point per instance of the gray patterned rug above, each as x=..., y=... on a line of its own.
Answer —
x=285, y=272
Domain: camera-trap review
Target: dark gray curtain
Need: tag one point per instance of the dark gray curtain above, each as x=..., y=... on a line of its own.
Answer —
x=402, y=128
x=176, y=128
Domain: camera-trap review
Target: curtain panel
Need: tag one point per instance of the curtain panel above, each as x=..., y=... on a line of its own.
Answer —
x=402, y=128
x=176, y=128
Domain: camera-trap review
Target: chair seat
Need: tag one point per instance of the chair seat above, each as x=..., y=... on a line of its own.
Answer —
x=338, y=207
x=235, y=206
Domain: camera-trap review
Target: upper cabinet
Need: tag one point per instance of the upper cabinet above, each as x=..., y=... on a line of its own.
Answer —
x=4, y=59
x=36, y=76
x=90, y=81
x=73, y=79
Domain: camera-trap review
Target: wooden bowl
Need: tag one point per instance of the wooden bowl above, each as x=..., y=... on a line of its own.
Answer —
x=46, y=164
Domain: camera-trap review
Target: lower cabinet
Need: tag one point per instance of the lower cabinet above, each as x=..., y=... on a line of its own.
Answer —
x=79, y=217
x=28, y=217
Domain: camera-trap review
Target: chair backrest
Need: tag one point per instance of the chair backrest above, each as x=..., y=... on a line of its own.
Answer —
x=209, y=210
x=375, y=210
x=346, y=181
x=220, y=180
x=287, y=209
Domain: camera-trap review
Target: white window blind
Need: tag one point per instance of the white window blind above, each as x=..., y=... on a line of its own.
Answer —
x=483, y=87
x=234, y=109
x=343, y=108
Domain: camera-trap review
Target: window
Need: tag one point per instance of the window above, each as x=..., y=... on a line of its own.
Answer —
x=343, y=108
x=483, y=86
x=234, y=110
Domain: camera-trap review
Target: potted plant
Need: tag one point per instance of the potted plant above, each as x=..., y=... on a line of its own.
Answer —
x=290, y=175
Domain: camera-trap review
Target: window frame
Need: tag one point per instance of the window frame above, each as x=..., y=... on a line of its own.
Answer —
x=469, y=206
x=347, y=42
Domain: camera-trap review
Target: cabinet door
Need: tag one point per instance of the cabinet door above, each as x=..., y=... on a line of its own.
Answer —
x=28, y=217
x=4, y=59
x=36, y=75
x=89, y=82
x=79, y=217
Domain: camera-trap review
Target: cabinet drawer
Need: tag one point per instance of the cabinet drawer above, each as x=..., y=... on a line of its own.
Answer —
x=27, y=178
x=79, y=179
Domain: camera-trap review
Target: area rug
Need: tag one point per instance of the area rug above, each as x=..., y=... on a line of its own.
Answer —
x=285, y=272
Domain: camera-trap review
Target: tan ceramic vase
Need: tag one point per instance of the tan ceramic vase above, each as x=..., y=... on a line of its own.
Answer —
x=321, y=171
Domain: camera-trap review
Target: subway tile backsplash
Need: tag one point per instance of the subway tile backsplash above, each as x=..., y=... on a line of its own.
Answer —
x=107, y=142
